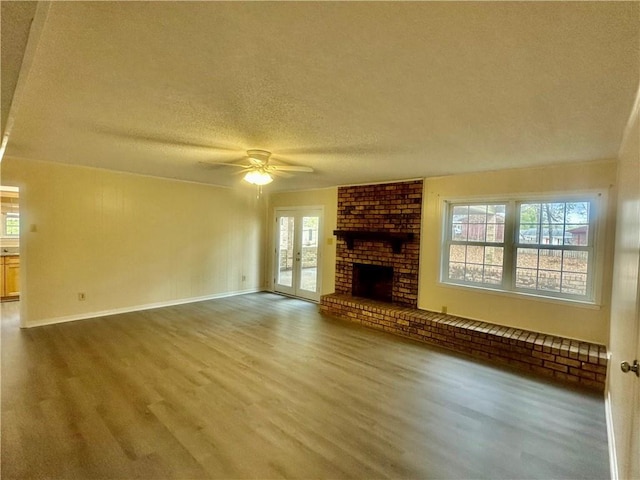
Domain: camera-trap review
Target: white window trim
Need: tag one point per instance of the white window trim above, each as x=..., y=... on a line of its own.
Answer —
x=448, y=241
x=598, y=199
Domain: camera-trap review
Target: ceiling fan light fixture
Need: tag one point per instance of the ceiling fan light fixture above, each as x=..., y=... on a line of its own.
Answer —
x=257, y=177
x=261, y=156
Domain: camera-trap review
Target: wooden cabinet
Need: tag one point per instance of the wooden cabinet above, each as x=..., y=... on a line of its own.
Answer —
x=10, y=274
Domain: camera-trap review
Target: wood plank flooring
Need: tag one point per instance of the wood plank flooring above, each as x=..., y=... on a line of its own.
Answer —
x=263, y=386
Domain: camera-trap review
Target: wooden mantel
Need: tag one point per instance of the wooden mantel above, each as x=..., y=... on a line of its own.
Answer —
x=395, y=238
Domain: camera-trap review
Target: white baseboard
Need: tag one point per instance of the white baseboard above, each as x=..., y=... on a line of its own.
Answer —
x=136, y=308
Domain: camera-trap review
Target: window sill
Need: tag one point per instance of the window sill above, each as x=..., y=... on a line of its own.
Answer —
x=524, y=296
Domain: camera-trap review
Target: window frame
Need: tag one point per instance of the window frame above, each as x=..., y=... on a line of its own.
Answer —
x=449, y=241
x=511, y=243
x=589, y=248
x=6, y=227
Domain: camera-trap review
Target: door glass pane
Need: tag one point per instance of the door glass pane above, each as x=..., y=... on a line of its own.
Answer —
x=285, y=252
x=309, y=257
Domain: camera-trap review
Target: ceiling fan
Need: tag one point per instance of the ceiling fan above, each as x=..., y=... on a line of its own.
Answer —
x=258, y=170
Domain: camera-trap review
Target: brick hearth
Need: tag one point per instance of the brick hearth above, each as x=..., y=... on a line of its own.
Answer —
x=570, y=361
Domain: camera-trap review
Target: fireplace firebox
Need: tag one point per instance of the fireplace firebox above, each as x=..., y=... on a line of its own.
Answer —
x=372, y=281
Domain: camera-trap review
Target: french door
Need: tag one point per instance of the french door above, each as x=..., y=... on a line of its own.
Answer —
x=297, y=252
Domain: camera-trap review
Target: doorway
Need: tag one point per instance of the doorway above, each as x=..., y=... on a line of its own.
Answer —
x=9, y=244
x=297, y=252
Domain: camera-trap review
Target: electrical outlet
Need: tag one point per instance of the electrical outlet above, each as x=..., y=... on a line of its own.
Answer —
x=444, y=309
x=81, y=297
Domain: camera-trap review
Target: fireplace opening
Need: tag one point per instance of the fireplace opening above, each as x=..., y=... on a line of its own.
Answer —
x=372, y=281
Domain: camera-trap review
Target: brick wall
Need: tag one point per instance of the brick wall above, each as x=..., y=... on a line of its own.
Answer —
x=391, y=208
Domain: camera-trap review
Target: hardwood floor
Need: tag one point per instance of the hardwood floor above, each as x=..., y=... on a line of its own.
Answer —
x=262, y=386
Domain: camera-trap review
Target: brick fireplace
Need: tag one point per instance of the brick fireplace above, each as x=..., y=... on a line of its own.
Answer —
x=379, y=225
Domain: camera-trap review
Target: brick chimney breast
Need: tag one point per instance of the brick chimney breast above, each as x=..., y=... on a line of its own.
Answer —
x=391, y=208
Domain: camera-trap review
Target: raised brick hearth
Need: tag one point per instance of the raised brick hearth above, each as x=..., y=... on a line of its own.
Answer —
x=567, y=360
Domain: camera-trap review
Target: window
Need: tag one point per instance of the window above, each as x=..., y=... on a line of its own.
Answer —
x=309, y=231
x=12, y=225
x=553, y=248
x=538, y=247
x=476, y=246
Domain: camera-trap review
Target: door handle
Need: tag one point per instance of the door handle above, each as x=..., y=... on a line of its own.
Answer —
x=626, y=367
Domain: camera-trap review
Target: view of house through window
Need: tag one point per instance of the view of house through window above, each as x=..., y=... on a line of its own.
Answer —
x=477, y=248
x=545, y=248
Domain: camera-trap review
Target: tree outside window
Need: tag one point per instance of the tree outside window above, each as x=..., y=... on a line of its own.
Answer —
x=543, y=248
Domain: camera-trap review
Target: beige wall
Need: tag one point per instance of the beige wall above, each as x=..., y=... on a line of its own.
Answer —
x=327, y=198
x=582, y=322
x=129, y=241
x=625, y=321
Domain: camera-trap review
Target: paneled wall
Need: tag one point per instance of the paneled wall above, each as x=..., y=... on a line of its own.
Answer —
x=128, y=241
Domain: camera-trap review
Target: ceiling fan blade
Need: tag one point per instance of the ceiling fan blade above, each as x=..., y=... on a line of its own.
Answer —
x=279, y=173
x=221, y=164
x=356, y=149
x=291, y=168
x=160, y=140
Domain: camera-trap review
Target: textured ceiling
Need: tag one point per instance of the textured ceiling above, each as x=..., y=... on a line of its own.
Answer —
x=361, y=92
x=16, y=21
